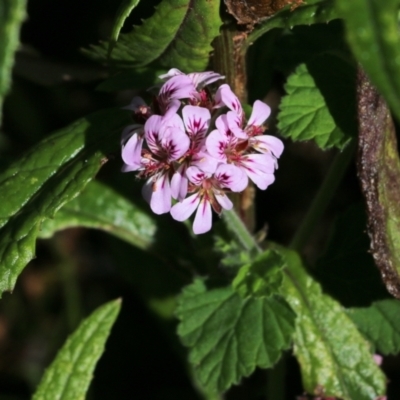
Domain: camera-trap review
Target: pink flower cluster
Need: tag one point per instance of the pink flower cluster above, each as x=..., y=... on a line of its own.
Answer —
x=194, y=146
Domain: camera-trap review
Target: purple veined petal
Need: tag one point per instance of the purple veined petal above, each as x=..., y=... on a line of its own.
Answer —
x=224, y=201
x=183, y=210
x=130, y=130
x=231, y=177
x=196, y=120
x=196, y=175
x=225, y=97
x=267, y=144
x=216, y=144
x=160, y=200
x=132, y=152
x=201, y=79
x=234, y=122
x=175, y=143
x=260, y=113
x=203, y=220
x=173, y=121
x=179, y=183
x=152, y=133
x=135, y=104
x=177, y=87
x=204, y=161
x=222, y=125
x=172, y=72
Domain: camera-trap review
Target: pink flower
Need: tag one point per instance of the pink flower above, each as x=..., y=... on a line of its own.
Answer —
x=131, y=152
x=199, y=79
x=226, y=147
x=209, y=194
x=167, y=142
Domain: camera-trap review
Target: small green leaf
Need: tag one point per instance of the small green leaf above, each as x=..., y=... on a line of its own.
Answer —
x=314, y=12
x=179, y=34
x=262, y=277
x=69, y=376
x=46, y=177
x=380, y=324
x=12, y=14
x=229, y=336
x=100, y=207
x=305, y=113
x=123, y=12
x=334, y=358
x=372, y=31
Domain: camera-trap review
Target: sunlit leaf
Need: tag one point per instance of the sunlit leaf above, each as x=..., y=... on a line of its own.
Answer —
x=12, y=14
x=261, y=277
x=373, y=34
x=69, y=376
x=228, y=336
x=334, y=358
x=312, y=108
x=380, y=324
x=178, y=34
x=52, y=173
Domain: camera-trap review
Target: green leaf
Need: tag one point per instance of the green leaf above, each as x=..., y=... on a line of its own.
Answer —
x=308, y=114
x=262, y=277
x=12, y=14
x=229, y=336
x=69, y=376
x=372, y=32
x=100, y=207
x=123, y=12
x=179, y=34
x=46, y=177
x=334, y=358
x=314, y=12
x=380, y=324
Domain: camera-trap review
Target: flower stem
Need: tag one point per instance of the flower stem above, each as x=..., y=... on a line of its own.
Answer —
x=323, y=197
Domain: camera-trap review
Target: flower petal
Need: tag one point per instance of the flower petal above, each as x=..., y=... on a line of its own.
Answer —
x=129, y=130
x=132, y=151
x=225, y=97
x=160, y=200
x=235, y=122
x=196, y=176
x=267, y=144
x=224, y=201
x=179, y=183
x=203, y=219
x=152, y=133
x=196, y=120
x=201, y=79
x=182, y=211
x=231, y=177
x=172, y=72
x=260, y=113
x=175, y=143
x=204, y=161
x=216, y=144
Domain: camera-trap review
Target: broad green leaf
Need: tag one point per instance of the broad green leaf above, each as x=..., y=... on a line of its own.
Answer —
x=335, y=359
x=306, y=113
x=262, y=277
x=50, y=174
x=12, y=14
x=380, y=324
x=123, y=12
x=179, y=34
x=138, y=78
x=228, y=336
x=313, y=12
x=372, y=32
x=100, y=207
x=347, y=270
x=69, y=376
